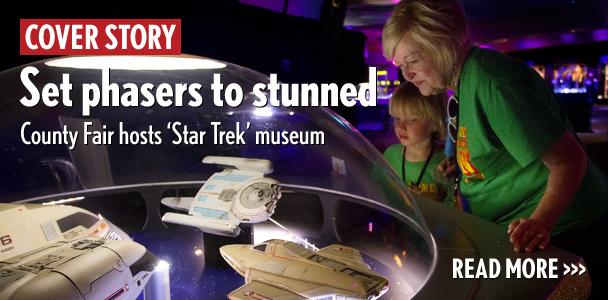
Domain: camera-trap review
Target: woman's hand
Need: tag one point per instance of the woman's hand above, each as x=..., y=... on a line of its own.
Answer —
x=566, y=162
x=529, y=234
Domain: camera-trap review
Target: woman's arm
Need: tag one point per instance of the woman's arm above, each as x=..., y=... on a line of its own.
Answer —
x=567, y=163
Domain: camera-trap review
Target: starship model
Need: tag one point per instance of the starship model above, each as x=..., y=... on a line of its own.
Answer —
x=66, y=252
x=238, y=194
x=279, y=269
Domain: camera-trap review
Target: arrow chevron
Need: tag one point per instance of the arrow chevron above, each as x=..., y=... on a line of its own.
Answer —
x=582, y=269
x=574, y=269
x=567, y=269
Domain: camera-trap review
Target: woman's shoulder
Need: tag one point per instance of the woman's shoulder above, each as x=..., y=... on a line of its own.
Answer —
x=496, y=66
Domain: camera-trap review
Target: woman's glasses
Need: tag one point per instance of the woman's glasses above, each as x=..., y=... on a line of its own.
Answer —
x=453, y=118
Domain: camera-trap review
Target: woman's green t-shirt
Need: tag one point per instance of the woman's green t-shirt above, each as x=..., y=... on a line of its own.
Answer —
x=508, y=118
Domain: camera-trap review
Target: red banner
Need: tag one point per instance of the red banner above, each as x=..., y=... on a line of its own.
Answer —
x=100, y=36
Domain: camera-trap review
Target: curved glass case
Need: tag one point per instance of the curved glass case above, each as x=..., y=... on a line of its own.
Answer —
x=337, y=188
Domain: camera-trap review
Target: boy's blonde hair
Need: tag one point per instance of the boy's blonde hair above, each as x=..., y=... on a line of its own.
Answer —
x=406, y=99
x=438, y=27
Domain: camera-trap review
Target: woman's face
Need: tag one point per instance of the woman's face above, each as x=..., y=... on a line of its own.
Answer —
x=416, y=68
x=412, y=130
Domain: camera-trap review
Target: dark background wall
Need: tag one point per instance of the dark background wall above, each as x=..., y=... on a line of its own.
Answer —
x=297, y=49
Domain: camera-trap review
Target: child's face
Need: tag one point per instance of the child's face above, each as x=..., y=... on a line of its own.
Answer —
x=412, y=130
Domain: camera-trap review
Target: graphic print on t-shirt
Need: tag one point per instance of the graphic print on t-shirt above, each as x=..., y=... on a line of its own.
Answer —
x=464, y=157
x=429, y=190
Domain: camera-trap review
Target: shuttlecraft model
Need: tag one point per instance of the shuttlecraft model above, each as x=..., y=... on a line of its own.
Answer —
x=238, y=194
x=61, y=252
x=279, y=269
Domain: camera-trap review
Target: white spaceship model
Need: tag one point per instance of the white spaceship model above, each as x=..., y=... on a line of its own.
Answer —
x=25, y=227
x=279, y=269
x=238, y=194
x=65, y=252
x=84, y=268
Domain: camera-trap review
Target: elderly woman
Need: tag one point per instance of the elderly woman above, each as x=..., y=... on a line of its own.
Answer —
x=522, y=166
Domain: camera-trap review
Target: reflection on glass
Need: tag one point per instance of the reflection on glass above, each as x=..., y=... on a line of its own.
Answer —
x=340, y=191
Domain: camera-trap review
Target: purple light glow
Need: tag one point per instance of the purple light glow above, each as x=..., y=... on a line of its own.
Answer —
x=600, y=35
x=305, y=8
x=548, y=40
x=532, y=43
x=301, y=8
x=568, y=38
x=276, y=5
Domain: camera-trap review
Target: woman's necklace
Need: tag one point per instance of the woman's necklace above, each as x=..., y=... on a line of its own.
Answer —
x=426, y=163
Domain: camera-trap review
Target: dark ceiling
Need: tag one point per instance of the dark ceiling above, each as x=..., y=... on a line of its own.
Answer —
x=496, y=19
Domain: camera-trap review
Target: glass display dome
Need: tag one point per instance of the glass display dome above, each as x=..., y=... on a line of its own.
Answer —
x=336, y=187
